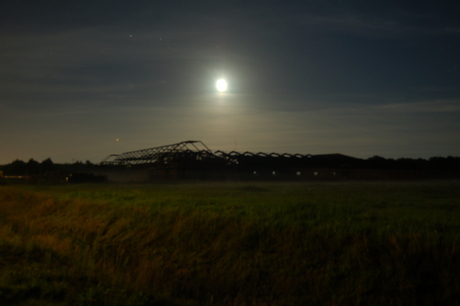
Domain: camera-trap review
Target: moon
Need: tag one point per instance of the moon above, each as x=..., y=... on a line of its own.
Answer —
x=221, y=85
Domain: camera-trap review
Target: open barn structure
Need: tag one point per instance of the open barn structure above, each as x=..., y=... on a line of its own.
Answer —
x=162, y=155
x=193, y=160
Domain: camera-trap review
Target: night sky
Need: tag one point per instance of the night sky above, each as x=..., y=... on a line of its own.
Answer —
x=80, y=80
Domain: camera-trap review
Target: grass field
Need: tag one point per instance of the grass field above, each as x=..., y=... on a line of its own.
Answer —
x=354, y=243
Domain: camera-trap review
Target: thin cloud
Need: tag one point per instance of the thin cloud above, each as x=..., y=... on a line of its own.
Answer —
x=398, y=26
x=436, y=106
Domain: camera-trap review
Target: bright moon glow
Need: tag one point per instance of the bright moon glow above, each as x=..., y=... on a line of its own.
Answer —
x=221, y=85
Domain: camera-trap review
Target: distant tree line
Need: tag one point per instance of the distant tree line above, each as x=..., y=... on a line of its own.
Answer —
x=433, y=164
x=436, y=164
x=33, y=167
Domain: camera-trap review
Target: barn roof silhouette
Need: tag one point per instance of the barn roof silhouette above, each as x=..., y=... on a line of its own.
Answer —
x=193, y=160
x=195, y=149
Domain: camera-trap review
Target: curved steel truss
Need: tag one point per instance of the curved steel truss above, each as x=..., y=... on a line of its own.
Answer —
x=162, y=154
x=195, y=152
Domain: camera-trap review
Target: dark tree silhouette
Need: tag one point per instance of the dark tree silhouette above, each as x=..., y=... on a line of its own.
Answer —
x=47, y=166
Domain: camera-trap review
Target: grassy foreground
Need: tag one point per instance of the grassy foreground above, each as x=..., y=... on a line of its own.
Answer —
x=231, y=244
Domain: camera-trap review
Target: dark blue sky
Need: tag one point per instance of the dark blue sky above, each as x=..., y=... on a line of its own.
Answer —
x=84, y=79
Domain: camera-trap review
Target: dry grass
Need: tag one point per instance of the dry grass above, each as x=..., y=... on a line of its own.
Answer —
x=231, y=244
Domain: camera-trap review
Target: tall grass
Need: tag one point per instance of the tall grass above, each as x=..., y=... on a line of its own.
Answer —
x=231, y=244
